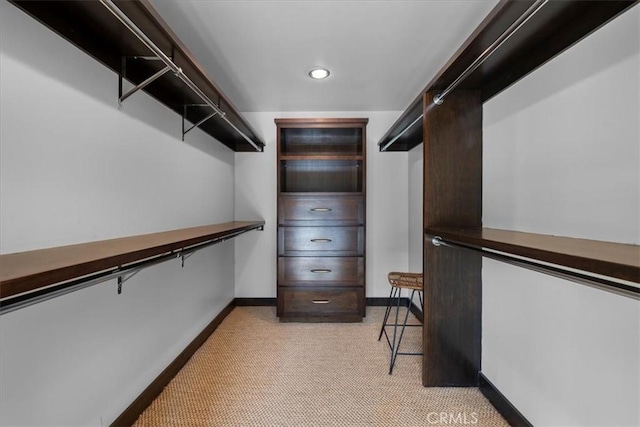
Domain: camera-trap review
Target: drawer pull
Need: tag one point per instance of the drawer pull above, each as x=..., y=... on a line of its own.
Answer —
x=321, y=270
x=320, y=301
x=321, y=240
x=321, y=210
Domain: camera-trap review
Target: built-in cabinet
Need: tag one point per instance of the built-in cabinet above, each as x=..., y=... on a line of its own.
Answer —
x=321, y=219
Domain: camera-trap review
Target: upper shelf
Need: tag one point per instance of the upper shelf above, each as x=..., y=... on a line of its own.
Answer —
x=556, y=26
x=93, y=28
x=616, y=260
x=28, y=271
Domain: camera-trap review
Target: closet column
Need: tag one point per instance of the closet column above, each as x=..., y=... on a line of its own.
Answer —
x=452, y=277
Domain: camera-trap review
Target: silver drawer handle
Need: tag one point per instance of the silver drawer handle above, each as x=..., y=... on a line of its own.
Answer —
x=320, y=209
x=321, y=240
x=320, y=301
x=321, y=270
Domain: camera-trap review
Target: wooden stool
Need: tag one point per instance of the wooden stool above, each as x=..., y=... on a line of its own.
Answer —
x=398, y=282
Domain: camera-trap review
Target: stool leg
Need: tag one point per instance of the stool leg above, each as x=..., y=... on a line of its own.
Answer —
x=394, y=346
x=394, y=295
x=406, y=317
x=386, y=313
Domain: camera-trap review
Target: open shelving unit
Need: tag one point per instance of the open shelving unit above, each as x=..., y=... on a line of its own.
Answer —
x=321, y=219
x=131, y=38
x=26, y=277
x=513, y=40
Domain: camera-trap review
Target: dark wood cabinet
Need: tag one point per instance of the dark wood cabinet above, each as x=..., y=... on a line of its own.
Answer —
x=321, y=219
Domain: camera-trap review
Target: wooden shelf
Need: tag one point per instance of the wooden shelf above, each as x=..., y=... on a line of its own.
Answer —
x=27, y=271
x=92, y=28
x=556, y=27
x=320, y=123
x=321, y=157
x=615, y=260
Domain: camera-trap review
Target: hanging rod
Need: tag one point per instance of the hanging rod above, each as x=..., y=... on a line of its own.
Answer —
x=122, y=17
x=513, y=28
x=395, y=138
x=594, y=282
x=18, y=302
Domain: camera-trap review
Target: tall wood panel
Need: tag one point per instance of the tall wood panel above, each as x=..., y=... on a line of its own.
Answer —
x=452, y=197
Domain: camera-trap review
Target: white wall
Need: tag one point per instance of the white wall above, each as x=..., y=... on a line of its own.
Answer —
x=387, y=204
x=74, y=169
x=561, y=156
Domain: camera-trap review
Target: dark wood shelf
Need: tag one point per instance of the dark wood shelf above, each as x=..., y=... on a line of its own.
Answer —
x=321, y=157
x=615, y=260
x=320, y=123
x=556, y=27
x=28, y=271
x=92, y=28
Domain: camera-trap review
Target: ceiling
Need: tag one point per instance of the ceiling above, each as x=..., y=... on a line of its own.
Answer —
x=381, y=53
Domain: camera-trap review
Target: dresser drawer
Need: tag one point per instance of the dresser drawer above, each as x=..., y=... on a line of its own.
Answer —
x=320, y=304
x=320, y=241
x=326, y=271
x=324, y=209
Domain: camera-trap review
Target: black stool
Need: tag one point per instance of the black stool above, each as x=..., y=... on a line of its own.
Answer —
x=398, y=282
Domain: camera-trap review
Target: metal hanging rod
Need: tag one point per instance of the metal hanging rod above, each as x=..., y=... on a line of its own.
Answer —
x=513, y=28
x=41, y=295
x=122, y=273
x=122, y=17
x=594, y=282
x=395, y=138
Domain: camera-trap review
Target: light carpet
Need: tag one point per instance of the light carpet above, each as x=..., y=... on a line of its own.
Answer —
x=255, y=371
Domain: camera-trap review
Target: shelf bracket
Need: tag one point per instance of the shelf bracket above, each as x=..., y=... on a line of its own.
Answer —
x=184, y=257
x=123, y=278
x=142, y=85
x=184, y=132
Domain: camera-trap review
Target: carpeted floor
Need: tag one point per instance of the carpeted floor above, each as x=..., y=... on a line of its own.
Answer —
x=255, y=371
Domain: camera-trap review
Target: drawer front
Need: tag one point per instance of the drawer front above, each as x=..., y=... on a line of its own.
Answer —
x=321, y=210
x=326, y=271
x=321, y=241
x=320, y=303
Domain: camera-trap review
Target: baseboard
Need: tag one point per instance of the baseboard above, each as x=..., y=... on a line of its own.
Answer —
x=131, y=414
x=382, y=302
x=255, y=302
x=501, y=403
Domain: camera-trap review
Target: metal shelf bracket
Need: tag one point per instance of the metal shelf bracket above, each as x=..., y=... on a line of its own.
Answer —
x=184, y=117
x=123, y=75
x=123, y=278
x=184, y=256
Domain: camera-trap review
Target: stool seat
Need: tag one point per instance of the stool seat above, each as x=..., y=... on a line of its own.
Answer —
x=400, y=280
x=406, y=280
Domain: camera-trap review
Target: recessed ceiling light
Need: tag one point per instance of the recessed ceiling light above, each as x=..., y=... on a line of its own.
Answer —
x=319, y=73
